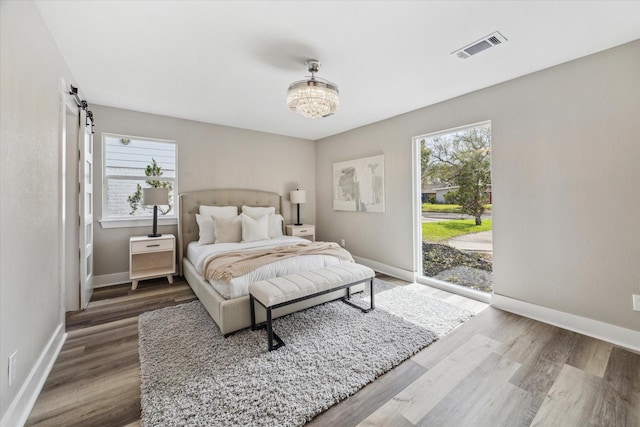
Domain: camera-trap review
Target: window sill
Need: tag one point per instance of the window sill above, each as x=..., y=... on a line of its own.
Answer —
x=135, y=222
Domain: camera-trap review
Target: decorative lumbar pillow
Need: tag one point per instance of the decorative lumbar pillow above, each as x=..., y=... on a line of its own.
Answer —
x=207, y=233
x=275, y=225
x=219, y=211
x=254, y=229
x=228, y=230
x=257, y=212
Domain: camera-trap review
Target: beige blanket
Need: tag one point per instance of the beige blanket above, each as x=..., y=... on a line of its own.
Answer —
x=226, y=266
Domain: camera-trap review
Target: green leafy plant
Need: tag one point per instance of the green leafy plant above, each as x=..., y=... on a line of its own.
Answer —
x=451, y=198
x=155, y=171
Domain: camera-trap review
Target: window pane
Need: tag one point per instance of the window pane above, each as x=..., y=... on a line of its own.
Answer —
x=88, y=173
x=121, y=193
x=457, y=240
x=129, y=156
x=149, y=163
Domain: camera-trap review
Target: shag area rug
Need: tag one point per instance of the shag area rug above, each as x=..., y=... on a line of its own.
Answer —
x=193, y=376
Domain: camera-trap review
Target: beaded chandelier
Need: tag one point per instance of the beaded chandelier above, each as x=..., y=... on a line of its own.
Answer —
x=314, y=97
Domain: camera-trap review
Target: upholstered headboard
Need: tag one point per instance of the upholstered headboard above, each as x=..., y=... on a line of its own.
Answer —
x=189, y=204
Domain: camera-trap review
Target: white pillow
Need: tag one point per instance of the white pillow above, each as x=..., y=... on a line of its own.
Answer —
x=207, y=233
x=219, y=211
x=257, y=212
x=228, y=230
x=275, y=225
x=275, y=220
x=254, y=229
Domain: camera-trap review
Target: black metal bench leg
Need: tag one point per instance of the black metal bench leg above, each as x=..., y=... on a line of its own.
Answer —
x=272, y=336
x=347, y=301
x=252, y=306
x=269, y=329
x=371, y=292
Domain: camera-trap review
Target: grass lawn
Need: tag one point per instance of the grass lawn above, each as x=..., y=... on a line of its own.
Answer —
x=429, y=207
x=443, y=230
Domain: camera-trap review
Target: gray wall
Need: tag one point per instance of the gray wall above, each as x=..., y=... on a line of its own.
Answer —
x=30, y=296
x=566, y=174
x=209, y=156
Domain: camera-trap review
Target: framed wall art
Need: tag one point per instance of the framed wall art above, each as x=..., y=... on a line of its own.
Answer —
x=358, y=185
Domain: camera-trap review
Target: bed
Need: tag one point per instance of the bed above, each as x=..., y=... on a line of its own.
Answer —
x=231, y=312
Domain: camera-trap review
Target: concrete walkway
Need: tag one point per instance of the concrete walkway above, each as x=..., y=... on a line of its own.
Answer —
x=476, y=242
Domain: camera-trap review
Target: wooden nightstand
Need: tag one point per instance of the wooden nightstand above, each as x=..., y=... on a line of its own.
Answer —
x=151, y=257
x=305, y=230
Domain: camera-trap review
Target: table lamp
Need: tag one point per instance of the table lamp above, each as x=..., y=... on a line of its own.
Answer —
x=297, y=197
x=155, y=197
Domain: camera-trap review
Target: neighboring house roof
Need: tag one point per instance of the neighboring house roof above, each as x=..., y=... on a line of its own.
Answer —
x=448, y=187
x=430, y=188
x=453, y=187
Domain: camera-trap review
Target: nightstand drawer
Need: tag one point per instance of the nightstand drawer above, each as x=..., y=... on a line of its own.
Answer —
x=302, y=231
x=151, y=245
x=307, y=231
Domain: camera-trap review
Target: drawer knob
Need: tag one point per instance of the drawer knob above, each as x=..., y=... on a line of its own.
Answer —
x=153, y=246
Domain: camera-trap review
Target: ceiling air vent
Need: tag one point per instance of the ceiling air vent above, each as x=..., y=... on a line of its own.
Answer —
x=478, y=46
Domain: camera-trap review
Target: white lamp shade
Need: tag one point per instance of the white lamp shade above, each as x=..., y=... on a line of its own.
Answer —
x=298, y=196
x=155, y=196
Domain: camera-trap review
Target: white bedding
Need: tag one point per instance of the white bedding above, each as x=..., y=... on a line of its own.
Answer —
x=239, y=286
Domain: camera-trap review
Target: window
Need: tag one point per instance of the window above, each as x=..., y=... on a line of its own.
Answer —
x=131, y=164
x=455, y=222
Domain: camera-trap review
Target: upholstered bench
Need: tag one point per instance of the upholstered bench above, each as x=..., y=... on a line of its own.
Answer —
x=292, y=288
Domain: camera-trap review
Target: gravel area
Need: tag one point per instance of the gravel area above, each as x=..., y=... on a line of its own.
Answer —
x=451, y=265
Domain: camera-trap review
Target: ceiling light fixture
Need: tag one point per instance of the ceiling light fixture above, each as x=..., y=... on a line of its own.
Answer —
x=314, y=97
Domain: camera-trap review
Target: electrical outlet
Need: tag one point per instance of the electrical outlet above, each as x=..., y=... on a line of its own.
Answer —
x=636, y=302
x=343, y=243
x=12, y=366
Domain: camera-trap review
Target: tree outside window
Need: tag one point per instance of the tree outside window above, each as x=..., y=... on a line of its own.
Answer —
x=461, y=160
x=135, y=200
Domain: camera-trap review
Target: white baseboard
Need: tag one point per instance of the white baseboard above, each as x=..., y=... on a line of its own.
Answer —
x=460, y=290
x=22, y=405
x=111, y=279
x=408, y=276
x=594, y=328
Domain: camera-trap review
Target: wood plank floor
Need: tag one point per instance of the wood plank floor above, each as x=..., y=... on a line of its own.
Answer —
x=497, y=369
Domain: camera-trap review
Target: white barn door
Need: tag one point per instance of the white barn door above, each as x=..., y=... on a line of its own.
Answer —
x=85, y=178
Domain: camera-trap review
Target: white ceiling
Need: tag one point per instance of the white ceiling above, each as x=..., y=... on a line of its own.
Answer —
x=230, y=63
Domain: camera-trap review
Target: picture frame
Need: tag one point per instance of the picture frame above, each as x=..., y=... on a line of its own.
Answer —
x=358, y=185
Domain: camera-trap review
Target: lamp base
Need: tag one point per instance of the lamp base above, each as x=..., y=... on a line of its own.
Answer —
x=298, y=217
x=154, y=230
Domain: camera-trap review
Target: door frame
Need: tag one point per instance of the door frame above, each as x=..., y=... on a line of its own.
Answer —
x=67, y=104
